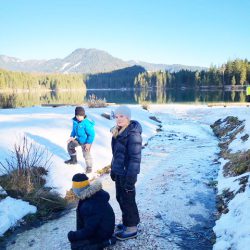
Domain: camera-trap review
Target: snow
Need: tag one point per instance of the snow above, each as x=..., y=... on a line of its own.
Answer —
x=51, y=127
x=2, y=191
x=239, y=144
x=72, y=67
x=64, y=66
x=11, y=211
x=182, y=169
x=232, y=229
x=77, y=64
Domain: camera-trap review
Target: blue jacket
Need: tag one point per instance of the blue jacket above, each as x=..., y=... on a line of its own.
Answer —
x=83, y=131
x=126, y=149
x=95, y=216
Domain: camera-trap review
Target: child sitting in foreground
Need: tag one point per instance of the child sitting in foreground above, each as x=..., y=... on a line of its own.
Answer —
x=95, y=216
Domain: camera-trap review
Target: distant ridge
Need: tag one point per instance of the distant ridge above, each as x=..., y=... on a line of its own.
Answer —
x=87, y=61
x=169, y=67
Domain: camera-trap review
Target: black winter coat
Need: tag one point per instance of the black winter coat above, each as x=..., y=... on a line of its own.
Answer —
x=126, y=149
x=95, y=216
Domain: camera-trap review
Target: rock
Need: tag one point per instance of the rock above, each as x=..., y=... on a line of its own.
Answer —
x=245, y=137
x=107, y=116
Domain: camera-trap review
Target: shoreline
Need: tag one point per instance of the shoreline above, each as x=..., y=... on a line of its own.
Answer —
x=17, y=91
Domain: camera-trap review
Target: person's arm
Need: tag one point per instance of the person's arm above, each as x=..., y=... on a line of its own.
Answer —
x=73, y=132
x=72, y=135
x=134, y=148
x=90, y=132
x=91, y=222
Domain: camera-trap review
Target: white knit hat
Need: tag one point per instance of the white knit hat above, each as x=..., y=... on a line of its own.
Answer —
x=123, y=110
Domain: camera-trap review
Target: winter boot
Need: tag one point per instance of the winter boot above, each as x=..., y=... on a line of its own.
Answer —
x=88, y=169
x=127, y=233
x=109, y=242
x=119, y=228
x=72, y=160
x=88, y=245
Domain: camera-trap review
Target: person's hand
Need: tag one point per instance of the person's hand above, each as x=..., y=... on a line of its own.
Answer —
x=71, y=236
x=129, y=185
x=87, y=147
x=70, y=139
x=113, y=176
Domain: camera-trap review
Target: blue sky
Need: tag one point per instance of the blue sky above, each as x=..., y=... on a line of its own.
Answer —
x=190, y=32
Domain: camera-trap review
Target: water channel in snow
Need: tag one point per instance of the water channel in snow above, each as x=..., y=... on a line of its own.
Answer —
x=175, y=200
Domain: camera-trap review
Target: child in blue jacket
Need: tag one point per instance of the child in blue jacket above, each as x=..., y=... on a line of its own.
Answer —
x=83, y=135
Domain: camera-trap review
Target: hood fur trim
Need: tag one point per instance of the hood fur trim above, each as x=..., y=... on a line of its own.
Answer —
x=93, y=188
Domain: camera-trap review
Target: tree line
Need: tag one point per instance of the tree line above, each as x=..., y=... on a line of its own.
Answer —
x=233, y=73
x=20, y=80
x=122, y=78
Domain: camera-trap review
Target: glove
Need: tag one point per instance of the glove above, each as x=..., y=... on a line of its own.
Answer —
x=71, y=236
x=113, y=176
x=130, y=183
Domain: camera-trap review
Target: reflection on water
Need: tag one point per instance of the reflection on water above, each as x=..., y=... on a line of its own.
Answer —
x=27, y=99
x=169, y=96
x=12, y=100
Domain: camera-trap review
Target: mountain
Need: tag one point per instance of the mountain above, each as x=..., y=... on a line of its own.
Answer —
x=169, y=67
x=112, y=80
x=82, y=61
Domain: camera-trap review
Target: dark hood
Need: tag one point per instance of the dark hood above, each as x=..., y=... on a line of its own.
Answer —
x=133, y=127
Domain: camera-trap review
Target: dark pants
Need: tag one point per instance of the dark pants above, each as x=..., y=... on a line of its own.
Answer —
x=93, y=244
x=126, y=200
x=86, y=154
x=248, y=98
x=86, y=245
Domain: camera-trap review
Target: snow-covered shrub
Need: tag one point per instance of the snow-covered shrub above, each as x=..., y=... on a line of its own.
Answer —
x=23, y=176
x=25, y=167
x=94, y=102
x=145, y=105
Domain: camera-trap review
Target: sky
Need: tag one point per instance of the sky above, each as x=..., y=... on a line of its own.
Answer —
x=194, y=32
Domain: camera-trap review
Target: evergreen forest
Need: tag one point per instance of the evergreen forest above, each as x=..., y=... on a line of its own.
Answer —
x=233, y=74
x=10, y=80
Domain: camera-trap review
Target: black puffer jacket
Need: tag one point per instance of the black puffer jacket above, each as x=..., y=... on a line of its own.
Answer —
x=126, y=149
x=95, y=216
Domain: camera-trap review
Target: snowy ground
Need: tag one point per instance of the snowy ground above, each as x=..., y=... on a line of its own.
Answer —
x=175, y=202
x=50, y=128
x=232, y=229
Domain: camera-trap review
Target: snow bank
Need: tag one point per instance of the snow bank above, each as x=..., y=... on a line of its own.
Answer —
x=50, y=128
x=232, y=229
x=11, y=211
x=2, y=191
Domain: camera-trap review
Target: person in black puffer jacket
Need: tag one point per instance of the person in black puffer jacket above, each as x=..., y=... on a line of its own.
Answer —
x=95, y=216
x=125, y=166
